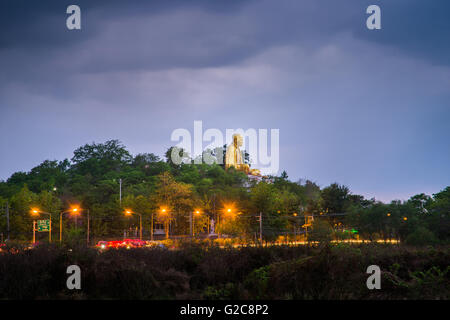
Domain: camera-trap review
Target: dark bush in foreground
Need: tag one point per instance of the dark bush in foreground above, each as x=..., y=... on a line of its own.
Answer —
x=194, y=272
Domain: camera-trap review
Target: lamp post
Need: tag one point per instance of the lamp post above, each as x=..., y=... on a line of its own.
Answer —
x=197, y=213
x=227, y=210
x=73, y=211
x=128, y=212
x=163, y=211
x=295, y=226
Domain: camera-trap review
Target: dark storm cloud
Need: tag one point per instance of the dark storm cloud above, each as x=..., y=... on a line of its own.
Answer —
x=407, y=24
x=36, y=24
x=418, y=28
x=351, y=104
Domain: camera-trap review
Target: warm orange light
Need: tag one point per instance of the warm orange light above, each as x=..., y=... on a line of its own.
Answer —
x=229, y=209
x=405, y=218
x=388, y=214
x=163, y=210
x=197, y=212
x=75, y=210
x=34, y=211
x=128, y=212
x=295, y=214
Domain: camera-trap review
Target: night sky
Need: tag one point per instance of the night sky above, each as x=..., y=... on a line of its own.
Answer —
x=366, y=108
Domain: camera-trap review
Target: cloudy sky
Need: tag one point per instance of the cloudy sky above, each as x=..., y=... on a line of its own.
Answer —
x=366, y=108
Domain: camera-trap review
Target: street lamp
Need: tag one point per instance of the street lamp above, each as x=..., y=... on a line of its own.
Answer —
x=74, y=211
x=227, y=211
x=295, y=226
x=129, y=212
x=35, y=212
x=191, y=220
x=164, y=212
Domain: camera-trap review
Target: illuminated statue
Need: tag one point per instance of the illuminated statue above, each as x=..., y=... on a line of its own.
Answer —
x=235, y=159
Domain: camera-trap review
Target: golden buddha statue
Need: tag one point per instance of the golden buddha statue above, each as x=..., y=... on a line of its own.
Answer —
x=234, y=158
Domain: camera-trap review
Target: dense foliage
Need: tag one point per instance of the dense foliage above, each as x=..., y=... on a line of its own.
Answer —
x=91, y=180
x=210, y=272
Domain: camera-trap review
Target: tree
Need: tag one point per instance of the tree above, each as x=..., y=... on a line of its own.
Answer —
x=336, y=198
x=20, y=218
x=175, y=157
x=421, y=202
x=144, y=160
x=264, y=199
x=99, y=159
x=439, y=216
x=313, y=197
x=177, y=198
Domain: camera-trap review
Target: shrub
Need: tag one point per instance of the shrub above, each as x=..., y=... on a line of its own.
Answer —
x=205, y=271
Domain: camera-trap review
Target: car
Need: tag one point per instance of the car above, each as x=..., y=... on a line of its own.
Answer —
x=128, y=243
x=102, y=245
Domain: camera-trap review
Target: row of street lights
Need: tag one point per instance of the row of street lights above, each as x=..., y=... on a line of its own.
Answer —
x=75, y=211
x=164, y=211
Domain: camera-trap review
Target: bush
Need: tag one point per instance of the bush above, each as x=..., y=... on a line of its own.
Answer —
x=206, y=271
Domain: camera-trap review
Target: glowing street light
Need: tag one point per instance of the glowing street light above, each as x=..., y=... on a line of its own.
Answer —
x=191, y=220
x=388, y=214
x=295, y=225
x=405, y=218
x=229, y=209
x=163, y=211
x=74, y=211
x=129, y=212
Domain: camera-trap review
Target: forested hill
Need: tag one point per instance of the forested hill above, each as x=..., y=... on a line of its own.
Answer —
x=91, y=180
